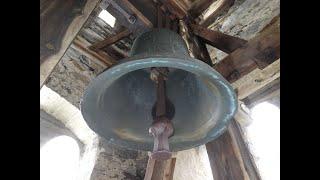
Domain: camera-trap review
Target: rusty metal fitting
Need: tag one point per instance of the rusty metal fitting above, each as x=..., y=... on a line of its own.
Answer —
x=161, y=130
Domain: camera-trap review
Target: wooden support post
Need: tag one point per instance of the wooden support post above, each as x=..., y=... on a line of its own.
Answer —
x=230, y=158
x=229, y=155
x=258, y=52
x=219, y=40
x=60, y=21
x=110, y=40
x=168, y=173
x=160, y=170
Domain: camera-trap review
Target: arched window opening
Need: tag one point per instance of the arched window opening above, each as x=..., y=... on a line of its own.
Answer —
x=59, y=159
x=264, y=139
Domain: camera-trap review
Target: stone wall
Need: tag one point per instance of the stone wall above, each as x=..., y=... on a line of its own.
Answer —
x=244, y=20
x=72, y=75
x=116, y=163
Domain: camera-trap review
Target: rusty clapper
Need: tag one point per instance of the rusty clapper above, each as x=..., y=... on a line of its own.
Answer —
x=159, y=99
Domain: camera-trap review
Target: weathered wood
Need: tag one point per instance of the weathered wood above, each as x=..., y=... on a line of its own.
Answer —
x=223, y=159
x=79, y=44
x=248, y=164
x=168, y=173
x=220, y=7
x=160, y=170
x=137, y=13
x=60, y=21
x=204, y=55
x=195, y=45
x=110, y=40
x=259, y=52
x=256, y=80
x=230, y=158
x=219, y=40
x=175, y=8
x=268, y=92
x=149, y=169
x=199, y=6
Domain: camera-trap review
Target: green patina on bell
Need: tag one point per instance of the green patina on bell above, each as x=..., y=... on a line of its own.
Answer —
x=118, y=104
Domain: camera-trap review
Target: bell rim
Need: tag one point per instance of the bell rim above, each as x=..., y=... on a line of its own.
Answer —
x=186, y=63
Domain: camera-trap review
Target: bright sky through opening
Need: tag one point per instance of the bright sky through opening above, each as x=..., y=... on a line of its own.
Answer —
x=59, y=159
x=264, y=138
x=107, y=17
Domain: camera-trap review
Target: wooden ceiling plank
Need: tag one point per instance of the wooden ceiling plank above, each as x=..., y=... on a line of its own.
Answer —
x=259, y=52
x=221, y=6
x=59, y=24
x=110, y=40
x=137, y=13
x=256, y=80
x=219, y=40
x=199, y=6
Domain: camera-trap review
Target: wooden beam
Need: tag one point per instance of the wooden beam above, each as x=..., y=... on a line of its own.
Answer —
x=82, y=45
x=214, y=12
x=256, y=80
x=223, y=159
x=175, y=8
x=219, y=40
x=259, y=52
x=160, y=170
x=60, y=21
x=204, y=55
x=229, y=156
x=195, y=45
x=110, y=40
x=267, y=93
x=136, y=12
x=199, y=6
x=168, y=173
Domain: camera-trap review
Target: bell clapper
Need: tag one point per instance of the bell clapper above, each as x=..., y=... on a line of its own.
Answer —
x=161, y=128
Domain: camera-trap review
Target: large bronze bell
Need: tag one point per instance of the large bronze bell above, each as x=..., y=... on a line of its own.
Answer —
x=119, y=104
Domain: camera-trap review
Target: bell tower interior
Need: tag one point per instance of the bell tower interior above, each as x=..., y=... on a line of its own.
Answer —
x=159, y=89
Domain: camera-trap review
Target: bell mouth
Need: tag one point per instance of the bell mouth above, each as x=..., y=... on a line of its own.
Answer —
x=118, y=104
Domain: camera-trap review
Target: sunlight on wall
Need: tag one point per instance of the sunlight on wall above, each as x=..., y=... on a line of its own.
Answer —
x=59, y=159
x=107, y=17
x=264, y=139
